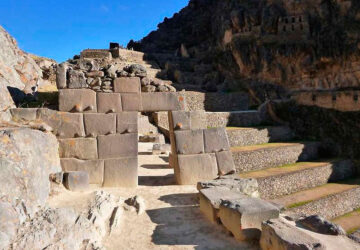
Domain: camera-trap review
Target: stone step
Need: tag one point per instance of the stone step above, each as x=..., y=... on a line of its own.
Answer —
x=242, y=136
x=257, y=157
x=329, y=201
x=350, y=222
x=288, y=179
x=233, y=118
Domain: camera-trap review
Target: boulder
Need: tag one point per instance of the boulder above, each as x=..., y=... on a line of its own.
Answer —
x=17, y=70
x=27, y=158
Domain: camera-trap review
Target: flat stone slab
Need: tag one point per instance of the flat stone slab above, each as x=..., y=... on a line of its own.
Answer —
x=99, y=124
x=225, y=163
x=162, y=102
x=127, y=85
x=119, y=145
x=189, y=142
x=215, y=140
x=95, y=168
x=127, y=122
x=246, y=186
x=122, y=172
x=76, y=181
x=77, y=100
x=284, y=234
x=190, y=169
x=79, y=148
x=64, y=124
x=109, y=103
x=243, y=217
x=131, y=102
x=211, y=199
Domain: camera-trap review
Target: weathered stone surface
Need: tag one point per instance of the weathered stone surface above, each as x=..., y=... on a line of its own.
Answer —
x=79, y=148
x=95, y=168
x=95, y=74
x=211, y=198
x=115, y=146
x=76, y=181
x=121, y=172
x=63, y=228
x=109, y=103
x=138, y=202
x=162, y=102
x=131, y=102
x=249, y=187
x=225, y=163
x=127, y=122
x=161, y=149
x=181, y=120
x=99, y=124
x=243, y=217
x=27, y=114
x=61, y=76
x=284, y=234
x=198, y=119
x=127, y=85
x=319, y=225
x=27, y=158
x=216, y=140
x=191, y=169
x=189, y=142
x=64, y=125
x=76, y=79
x=77, y=100
x=17, y=70
x=9, y=221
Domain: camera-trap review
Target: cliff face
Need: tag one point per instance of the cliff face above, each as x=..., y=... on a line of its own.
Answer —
x=17, y=70
x=297, y=44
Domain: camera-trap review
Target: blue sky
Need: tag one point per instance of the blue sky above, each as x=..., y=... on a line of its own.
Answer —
x=61, y=29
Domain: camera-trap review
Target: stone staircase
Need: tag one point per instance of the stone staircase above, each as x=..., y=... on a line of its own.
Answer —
x=299, y=176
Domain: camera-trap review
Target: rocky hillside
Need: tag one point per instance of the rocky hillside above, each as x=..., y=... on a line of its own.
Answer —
x=296, y=44
x=18, y=71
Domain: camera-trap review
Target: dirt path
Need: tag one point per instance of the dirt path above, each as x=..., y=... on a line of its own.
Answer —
x=172, y=219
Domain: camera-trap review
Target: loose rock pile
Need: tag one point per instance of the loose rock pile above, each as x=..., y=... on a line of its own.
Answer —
x=99, y=75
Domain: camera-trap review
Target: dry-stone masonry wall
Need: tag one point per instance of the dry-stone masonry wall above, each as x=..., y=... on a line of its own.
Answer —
x=98, y=131
x=198, y=154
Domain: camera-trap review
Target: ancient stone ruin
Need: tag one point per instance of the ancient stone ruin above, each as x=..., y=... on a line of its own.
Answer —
x=233, y=126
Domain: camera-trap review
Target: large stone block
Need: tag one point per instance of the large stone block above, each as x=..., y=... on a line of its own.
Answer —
x=27, y=114
x=189, y=142
x=127, y=122
x=243, y=217
x=61, y=76
x=65, y=125
x=99, y=124
x=77, y=100
x=80, y=148
x=122, y=172
x=76, y=181
x=180, y=120
x=76, y=79
x=225, y=163
x=190, y=169
x=115, y=146
x=216, y=140
x=109, y=103
x=211, y=199
x=127, y=85
x=95, y=168
x=198, y=119
x=131, y=102
x=162, y=102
